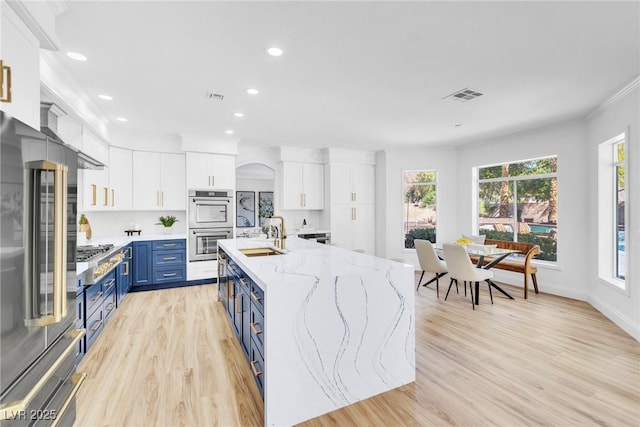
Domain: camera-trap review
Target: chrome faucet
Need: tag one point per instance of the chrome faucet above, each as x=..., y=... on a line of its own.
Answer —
x=279, y=243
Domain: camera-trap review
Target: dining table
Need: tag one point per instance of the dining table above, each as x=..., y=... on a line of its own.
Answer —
x=494, y=256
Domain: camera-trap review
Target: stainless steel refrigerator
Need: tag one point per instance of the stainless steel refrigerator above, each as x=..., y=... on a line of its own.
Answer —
x=38, y=339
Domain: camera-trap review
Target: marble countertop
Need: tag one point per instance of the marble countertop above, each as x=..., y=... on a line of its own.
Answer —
x=339, y=326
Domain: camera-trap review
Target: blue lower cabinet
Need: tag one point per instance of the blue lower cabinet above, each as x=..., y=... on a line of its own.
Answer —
x=99, y=300
x=95, y=323
x=256, y=360
x=159, y=262
x=168, y=275
x=142, y=263
x=243, y=300
x=80, y=316
x=109, y=304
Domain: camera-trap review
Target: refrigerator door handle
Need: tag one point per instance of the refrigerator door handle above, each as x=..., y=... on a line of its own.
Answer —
x=13, y=409
x=59, y=240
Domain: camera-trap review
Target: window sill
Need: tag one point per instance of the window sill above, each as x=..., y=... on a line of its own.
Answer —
x=615, y=283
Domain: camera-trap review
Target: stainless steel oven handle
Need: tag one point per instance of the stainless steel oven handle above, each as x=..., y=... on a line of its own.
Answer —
x=13, y=409
x=210, y=199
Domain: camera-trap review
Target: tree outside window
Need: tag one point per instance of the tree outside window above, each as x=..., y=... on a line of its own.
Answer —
x=419, y=206
x=620, y=198
x=518, y=201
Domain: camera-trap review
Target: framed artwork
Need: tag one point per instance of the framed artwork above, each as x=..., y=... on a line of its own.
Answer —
x=245, y=209
x=265, y=206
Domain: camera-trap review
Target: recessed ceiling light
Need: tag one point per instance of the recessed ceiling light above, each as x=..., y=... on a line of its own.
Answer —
x=253, y=91
x=228, y=131
x=77, y=56
x=238, y=114
x=105, y=97
x=275, y=51
x=122, y=119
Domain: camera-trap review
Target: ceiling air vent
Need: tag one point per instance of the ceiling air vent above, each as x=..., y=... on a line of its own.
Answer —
x=214, y=96
x=464, y=95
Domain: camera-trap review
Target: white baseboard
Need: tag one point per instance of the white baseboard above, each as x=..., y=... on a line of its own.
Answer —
x=616, y=317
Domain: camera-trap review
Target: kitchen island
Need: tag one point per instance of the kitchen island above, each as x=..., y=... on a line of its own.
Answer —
x=338, y=326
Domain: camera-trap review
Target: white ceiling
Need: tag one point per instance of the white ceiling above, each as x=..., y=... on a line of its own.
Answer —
x=364, y=75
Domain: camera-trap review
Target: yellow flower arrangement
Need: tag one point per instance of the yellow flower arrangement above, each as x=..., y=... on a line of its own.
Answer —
x=463, y=241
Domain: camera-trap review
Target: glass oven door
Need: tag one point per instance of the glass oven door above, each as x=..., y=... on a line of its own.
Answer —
x=203, y=242
x=210, y=213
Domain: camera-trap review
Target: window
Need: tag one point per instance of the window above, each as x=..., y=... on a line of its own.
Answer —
x=519, y=201
x=419, y=206
x=620, y=229
x=612, y=211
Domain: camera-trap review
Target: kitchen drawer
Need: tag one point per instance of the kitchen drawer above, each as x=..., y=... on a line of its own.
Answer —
x=168, y=275
x=169, y=258
x=257, y=297
x=80, y=347
x=169, y=244
x=109, y=283
x=95, y=323
x=93, y=298
x=80, y=310
x=109, y=306
x=257, y=367
x=257, y=328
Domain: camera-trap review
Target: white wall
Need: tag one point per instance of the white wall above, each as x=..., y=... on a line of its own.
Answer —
x=567, y=140
x=109, y=224
x=620, y=116
x=389, y=197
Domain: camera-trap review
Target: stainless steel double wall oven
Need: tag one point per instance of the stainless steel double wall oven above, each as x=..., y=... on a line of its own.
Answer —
x=210, y=219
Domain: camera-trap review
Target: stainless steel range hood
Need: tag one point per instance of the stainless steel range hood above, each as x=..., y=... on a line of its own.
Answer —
x=49, y=114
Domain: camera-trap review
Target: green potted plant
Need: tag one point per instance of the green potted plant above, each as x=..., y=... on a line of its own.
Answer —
x=167, y=222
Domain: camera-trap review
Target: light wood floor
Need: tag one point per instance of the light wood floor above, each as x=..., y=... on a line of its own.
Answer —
x=169, y=358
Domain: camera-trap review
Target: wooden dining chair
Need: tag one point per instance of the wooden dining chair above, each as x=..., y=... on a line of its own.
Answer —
x=430, y=263
x=461, y=268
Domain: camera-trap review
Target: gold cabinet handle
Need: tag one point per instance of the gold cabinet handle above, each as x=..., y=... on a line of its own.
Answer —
x=169, y=274
x=169, y=258
x=255, y=330
x=106, y=196
x=113, y=197
x=126, y=268
x=355, y=214
x=254, y=369
x=213, y=180
x=77, y=380
x=355, y=197
x=109, y=307
x=5, y=70
x=255, y=296
x=162, y=198
x=96, y=326
x=168, y=245
x=301, y=202
x=239, y=300
x=243, y=282
x=94, y=190
x=13, y=409
x=97, y=297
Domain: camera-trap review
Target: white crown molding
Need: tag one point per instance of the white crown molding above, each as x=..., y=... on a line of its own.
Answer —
x=57, y=83
x=635, y=83
x=208, y=144
x=36, y=24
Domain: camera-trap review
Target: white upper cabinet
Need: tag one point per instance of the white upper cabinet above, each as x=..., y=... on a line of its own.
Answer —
x=120, y=179
x=158, y=181
x=352, y=183
x=303, y=185
x=210, y=171
x=21, y=52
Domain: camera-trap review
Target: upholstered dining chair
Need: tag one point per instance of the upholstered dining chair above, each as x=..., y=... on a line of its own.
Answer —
x=430, y=263
x=461, y=268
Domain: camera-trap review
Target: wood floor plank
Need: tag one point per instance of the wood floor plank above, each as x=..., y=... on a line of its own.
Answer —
x=169, y=358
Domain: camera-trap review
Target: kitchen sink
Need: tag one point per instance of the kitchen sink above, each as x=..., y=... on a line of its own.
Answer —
x=253, y=252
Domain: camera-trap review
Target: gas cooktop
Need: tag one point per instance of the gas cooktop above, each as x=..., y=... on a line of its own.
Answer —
x=89, y=252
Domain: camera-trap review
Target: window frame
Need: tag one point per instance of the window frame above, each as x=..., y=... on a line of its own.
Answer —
x=404, y=184
x=512, y=180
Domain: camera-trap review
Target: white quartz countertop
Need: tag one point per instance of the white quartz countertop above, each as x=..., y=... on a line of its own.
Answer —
x=301, y=255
